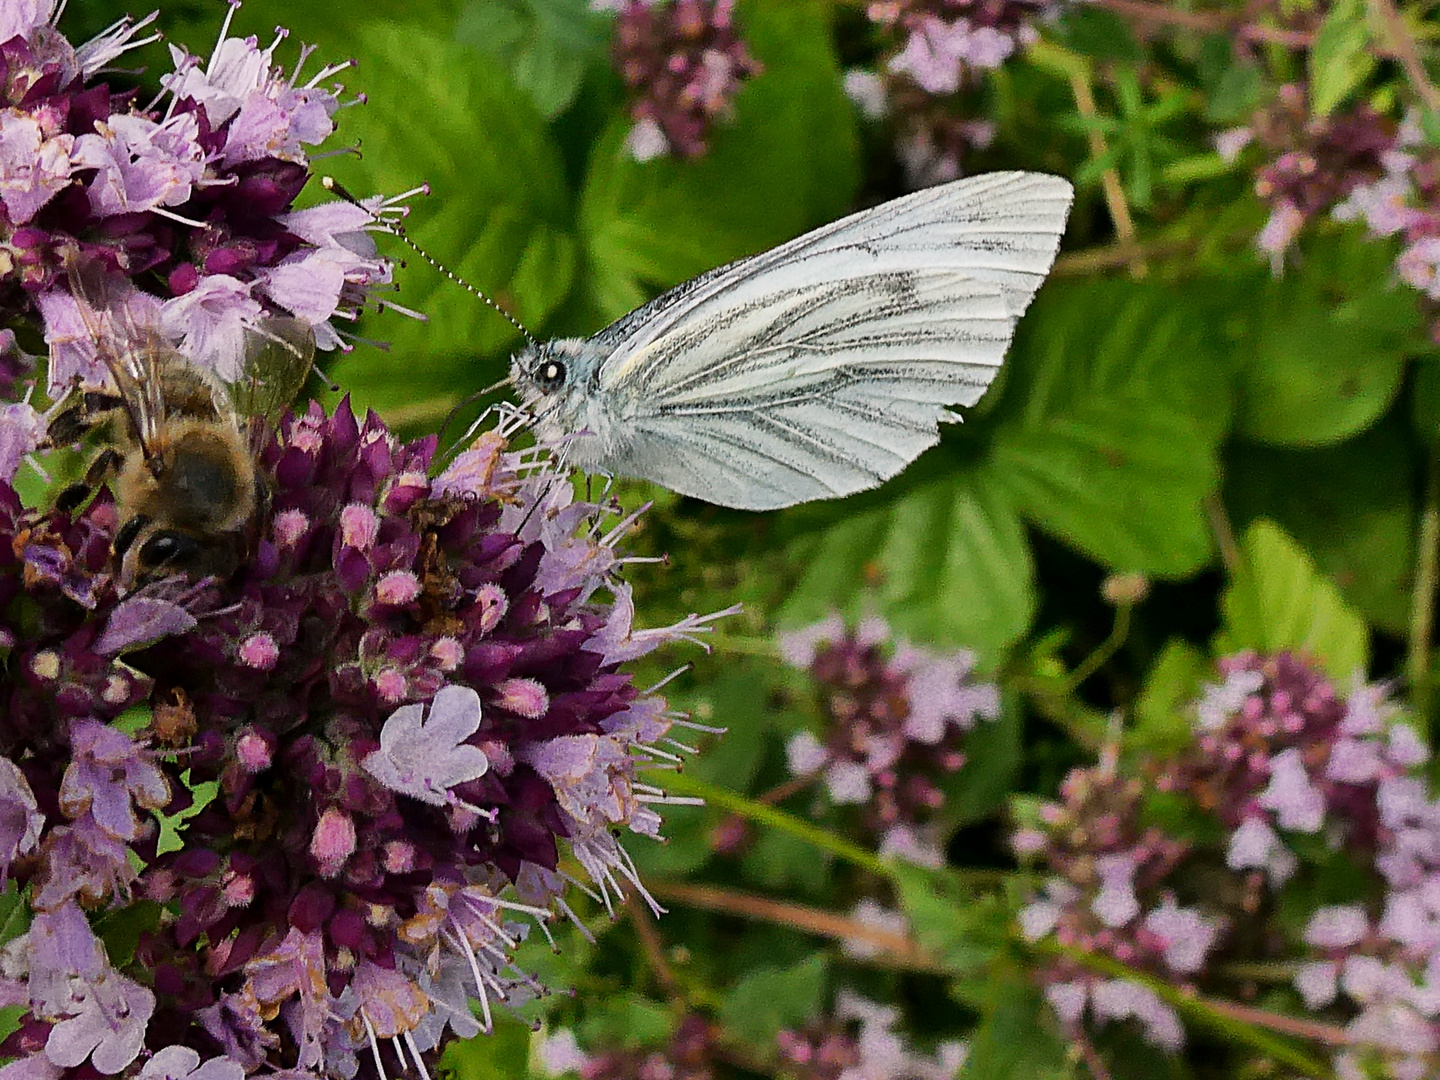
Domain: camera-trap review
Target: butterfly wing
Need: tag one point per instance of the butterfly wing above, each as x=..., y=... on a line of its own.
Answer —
x=825, y=366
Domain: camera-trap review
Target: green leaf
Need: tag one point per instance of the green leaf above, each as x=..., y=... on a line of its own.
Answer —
x=1121, y=482
x=1360, y=533
x=499, y=213
x=953, y=924
x=650, y=225
x=1329, y=345
x=1278, y=600
x=545, y=45
x=503, y=1052
x=1161, y=724
x=172, y=825
x=1107, y=428
x=1236, y=94
x=1342, y=57
x=949, y=558
x=1099, y=34
x=993, y=755
x=627, y=1020
x=1017, y=1036
x=768, y=999
x=780, y=861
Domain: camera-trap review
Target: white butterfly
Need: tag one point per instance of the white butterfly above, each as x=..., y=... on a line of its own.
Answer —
x=815, y=370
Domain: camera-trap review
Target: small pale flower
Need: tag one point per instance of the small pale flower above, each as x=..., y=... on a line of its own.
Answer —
x=424, y=757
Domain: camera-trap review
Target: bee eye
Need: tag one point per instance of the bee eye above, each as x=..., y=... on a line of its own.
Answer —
x=166, y=547
x=551, y=375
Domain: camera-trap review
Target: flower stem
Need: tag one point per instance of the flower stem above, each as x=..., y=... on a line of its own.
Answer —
x=1241, y=1024
x=897, y=947
x=1427, y=577
x=743, y=644
x=1110, y=177
x=1119, y=630
x=683, y=784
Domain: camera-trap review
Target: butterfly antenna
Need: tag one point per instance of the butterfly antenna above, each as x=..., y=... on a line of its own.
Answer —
x=395, y=229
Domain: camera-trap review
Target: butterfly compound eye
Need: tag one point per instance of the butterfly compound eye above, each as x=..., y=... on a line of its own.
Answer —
x=551, y=375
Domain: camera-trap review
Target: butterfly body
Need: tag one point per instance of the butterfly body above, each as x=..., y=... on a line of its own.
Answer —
x=815, y=370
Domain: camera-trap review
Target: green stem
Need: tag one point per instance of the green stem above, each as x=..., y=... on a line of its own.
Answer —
x=1103, y=652
x=743, y=644
x=761, y=814
x=1251, y=1030
x=1241, y=1031
x=1427, y=576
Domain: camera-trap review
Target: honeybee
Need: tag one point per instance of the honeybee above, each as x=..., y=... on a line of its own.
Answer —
x=180, y=445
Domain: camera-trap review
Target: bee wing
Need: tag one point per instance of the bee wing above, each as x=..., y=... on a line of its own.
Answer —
x=825, y=366
x=278, y=356
x=129, y=351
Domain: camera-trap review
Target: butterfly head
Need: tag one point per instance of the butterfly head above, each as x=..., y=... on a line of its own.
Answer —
x=558, y=382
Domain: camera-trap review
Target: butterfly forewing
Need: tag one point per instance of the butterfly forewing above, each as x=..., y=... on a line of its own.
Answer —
x=820, y=368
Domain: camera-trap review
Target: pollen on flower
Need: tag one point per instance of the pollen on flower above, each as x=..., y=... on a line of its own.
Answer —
x=45, y=665
x=390, y=683
x=289, y=527
x=525, y=697
x=333, y=842
x=448, y=652
x=359, y=526
x=393, y=786
x=397, y=587
x=259, y=651
x=253, y=751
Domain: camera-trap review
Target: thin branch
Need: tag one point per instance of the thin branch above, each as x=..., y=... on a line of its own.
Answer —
x=1110, y=178
x=1313, y=1030
x=1427, y=579
x=1223, y=532
x=896, y=947
x=1103, y=652
x=1209, y=22
x=1403, y=47
x=648, y=935
x=1109, y=256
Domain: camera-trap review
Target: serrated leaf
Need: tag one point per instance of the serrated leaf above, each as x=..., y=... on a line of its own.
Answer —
x=1328, y=347
x=545, y=45
x=651, y=225
x=1342, y=57
x=1106, y=431
x=1278, y=600
x=498, y=214
x=1122, y=482
x=948, y=557
x=1017, y=1036
x=1309, y=493
x=769, y=999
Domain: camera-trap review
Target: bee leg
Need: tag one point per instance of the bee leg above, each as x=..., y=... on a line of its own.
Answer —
x=126, y=534
x=105, y=465
x=72, y=424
